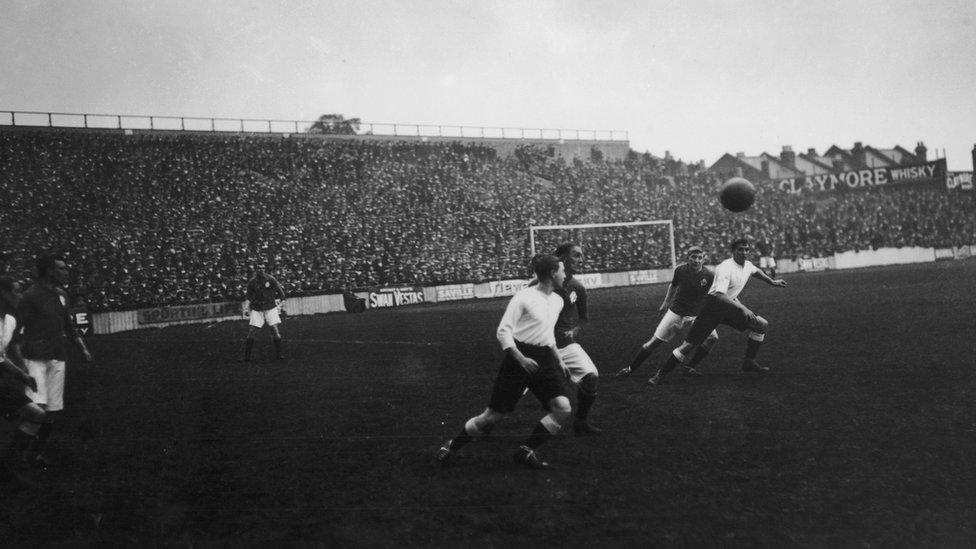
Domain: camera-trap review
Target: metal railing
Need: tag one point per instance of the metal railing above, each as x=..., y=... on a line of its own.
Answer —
x=263, y=125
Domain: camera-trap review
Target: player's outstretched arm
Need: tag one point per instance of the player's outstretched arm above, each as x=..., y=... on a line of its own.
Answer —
x=779, y=282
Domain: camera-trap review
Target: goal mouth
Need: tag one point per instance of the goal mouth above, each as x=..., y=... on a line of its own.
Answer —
x=612, y=247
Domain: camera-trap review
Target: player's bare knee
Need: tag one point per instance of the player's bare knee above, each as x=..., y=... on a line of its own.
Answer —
x=488, y=417
x=560, y=408
x=710, y=341
x=483, y=423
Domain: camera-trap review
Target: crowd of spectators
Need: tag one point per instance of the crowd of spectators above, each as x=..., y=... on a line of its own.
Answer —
x=165, y=219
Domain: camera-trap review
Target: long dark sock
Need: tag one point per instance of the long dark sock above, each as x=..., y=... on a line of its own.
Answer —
x=700, y=355
x=643, y=354
x=584, y=401
x=671, y=364
x=460, y=440
x=43, y=434
x=277, y=346
x=752, y=349
x=248, y=345
x=538, y=437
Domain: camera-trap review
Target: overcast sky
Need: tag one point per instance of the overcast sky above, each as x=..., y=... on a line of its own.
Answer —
x=697, y=78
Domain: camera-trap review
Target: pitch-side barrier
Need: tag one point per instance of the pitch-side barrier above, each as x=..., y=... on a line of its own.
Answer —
x=402, y=296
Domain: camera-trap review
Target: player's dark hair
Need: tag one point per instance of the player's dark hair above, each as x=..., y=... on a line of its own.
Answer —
x=564, y=249
x=44, y=263
x=544, y=265
x=738, y=241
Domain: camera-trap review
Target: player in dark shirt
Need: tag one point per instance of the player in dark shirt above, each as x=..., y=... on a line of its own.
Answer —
x=41, y=343
x=580, y=366
x=263, y=294
x=683, y=300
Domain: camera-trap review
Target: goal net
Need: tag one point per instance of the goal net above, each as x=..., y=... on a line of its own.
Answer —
x=612, y=247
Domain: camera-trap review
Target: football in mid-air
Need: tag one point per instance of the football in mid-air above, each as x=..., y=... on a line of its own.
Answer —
x=737, y=194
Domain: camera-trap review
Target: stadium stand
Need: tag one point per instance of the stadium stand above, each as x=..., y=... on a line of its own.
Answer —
x=170, y=218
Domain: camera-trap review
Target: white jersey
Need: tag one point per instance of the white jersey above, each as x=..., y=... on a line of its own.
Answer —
x=530, y=318
x=731, y=278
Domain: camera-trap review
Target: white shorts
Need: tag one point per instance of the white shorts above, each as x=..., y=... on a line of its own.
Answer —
x=49, y=375
x=578, y=362
x=672, y=324
x=269, y=317
x=767, y=262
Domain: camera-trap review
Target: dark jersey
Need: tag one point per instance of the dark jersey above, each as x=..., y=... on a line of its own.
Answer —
x=262, y=293
x=765, y=248
x=574, y=310
x=45, y=325
x=690, y=289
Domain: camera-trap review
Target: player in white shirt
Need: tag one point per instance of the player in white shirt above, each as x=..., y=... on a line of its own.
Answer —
x=722, y=306
x=526, y=333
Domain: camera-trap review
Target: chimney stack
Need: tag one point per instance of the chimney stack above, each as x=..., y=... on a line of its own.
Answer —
x=811, y=152
x=921, y=152
x=788, y=157
x=859, y=154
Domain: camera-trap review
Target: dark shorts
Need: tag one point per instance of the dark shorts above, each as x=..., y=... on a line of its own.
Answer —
x=546, y=383
x=13, y=396
x=715, y=312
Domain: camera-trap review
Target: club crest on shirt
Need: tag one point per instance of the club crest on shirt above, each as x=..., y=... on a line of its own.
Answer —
x=572, y=297
x=702, y=282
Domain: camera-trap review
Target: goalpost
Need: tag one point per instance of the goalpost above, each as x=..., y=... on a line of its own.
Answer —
x=652, y=234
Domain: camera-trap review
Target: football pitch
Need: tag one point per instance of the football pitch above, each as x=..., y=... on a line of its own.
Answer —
x=862, y=434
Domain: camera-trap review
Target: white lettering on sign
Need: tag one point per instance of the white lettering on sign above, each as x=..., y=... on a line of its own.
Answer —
x=455, y=291
x=643, y=277
x=591, y=280
x=395, y=297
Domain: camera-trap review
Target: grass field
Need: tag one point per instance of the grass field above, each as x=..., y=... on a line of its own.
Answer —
x=863, y=434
